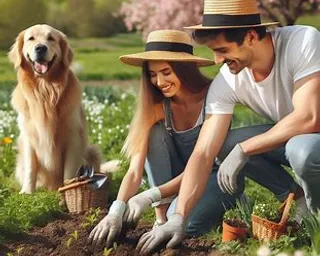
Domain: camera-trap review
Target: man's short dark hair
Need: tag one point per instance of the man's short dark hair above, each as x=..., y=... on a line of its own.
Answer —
x=237, y=35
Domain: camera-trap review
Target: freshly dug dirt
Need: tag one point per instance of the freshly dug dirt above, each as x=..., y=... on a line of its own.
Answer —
x=52, y=240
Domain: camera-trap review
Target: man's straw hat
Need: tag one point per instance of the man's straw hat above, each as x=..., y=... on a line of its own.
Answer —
x=220, y=14
x=166, y=45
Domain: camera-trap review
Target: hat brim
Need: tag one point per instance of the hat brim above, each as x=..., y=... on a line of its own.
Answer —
x=138, y=59
x=198, y=27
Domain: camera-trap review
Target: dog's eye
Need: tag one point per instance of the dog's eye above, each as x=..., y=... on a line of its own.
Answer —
x=30, y=38
x=50, y=38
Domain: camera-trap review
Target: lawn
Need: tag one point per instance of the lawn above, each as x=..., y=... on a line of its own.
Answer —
x=109, y=111
x=97, y=58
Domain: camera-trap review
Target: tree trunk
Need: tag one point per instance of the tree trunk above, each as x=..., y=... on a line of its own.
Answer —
x=285, y=11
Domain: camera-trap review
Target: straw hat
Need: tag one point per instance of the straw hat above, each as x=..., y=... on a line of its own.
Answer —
x=220, y=14
x=166, y=45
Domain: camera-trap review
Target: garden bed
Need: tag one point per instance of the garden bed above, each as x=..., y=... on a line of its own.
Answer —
x=67, y=236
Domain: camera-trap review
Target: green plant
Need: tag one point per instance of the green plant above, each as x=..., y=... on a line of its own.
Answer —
x=106, y=251
x=17, y=252
x=231, y=247
x=91, y=218
x=74, y=236
x=283, y=244
x=245, y=208
x=20, y=212
x=268, y=211
x=312, y=224
x=233, y=213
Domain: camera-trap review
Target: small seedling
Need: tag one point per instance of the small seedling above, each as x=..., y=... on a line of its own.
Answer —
x=73, y=236
x=68, y=243
x=91, y=218
x=18, y=252
x=106, y=251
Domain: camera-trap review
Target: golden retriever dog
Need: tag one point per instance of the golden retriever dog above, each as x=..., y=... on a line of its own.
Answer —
x=52, y=143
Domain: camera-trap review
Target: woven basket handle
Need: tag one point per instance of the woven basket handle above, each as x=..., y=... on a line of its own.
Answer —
x=287, y=205
x=73, y=185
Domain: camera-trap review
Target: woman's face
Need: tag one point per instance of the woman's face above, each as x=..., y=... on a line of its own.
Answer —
x=163, y=77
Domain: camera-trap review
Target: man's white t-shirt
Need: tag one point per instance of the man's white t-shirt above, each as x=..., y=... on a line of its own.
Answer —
x=297, y=55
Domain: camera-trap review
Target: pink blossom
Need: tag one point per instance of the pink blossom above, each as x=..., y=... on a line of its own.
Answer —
x=149, y=15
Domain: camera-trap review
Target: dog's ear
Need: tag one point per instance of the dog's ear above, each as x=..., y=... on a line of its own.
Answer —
x=15, y=54
x=67, y=54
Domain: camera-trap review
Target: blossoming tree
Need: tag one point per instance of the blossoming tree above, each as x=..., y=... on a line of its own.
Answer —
x=149, y=15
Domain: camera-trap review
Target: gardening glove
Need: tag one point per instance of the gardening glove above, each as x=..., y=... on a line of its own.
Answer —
x=110, y=226
x=138, y=204
x=230, y=168
x=172, y=231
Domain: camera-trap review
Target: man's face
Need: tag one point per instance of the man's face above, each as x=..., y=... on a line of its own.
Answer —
x=237, y=57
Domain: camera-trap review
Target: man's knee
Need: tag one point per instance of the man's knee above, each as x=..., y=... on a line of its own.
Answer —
x=302, y=155
x=238, y=135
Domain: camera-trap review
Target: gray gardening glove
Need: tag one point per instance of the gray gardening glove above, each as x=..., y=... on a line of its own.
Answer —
x=172, y=231
x=110, y=226
x=230, y=168
x=138, y=204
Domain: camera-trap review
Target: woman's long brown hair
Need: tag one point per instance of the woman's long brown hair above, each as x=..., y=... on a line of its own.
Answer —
x=190, y=77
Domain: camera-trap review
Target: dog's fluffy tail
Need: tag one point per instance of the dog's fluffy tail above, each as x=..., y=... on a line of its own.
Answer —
x=110, y=166
x=94, y=158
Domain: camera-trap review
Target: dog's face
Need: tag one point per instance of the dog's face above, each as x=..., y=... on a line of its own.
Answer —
x=42, y=47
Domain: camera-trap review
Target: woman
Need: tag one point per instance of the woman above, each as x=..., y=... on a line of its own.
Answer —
x=162, y=136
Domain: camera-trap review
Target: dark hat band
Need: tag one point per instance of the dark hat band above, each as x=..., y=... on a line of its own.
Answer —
x=212, y=20
x=170, y=47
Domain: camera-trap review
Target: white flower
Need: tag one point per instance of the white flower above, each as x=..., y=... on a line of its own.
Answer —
x=282, y=254
x=123, y=96
x=298, y=253
x=263, y=251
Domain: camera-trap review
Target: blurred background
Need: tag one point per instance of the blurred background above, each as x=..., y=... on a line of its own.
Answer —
x=101, y=30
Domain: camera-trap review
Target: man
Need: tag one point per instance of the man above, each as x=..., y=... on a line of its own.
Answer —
x=276, y=74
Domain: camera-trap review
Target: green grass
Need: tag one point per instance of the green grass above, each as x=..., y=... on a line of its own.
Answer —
x=98, y=58
x=313, y=20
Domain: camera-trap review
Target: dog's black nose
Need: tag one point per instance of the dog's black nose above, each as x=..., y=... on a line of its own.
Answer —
x=41, y=49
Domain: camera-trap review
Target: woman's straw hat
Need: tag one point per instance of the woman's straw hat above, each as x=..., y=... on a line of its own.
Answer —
x=220, y=14
x=166, y=45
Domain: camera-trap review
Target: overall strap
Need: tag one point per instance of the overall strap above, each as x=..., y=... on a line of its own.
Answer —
x=168, y=114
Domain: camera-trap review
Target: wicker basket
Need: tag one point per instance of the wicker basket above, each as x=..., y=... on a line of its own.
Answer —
x=263, y=229
x=80, y=197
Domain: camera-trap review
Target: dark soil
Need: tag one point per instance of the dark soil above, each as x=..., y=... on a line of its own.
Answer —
x=235, y=223
x=51, y=241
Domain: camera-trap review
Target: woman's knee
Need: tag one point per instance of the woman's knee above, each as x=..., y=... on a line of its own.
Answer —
x=157, y=135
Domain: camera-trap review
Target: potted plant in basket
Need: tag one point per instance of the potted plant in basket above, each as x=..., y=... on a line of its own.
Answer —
x=269, y=219
x=237, y=221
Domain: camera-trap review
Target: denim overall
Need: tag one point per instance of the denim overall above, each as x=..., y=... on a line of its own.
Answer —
x=168, y=154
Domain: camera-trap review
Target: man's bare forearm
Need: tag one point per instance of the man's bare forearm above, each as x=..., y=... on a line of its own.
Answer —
x=199, y=166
